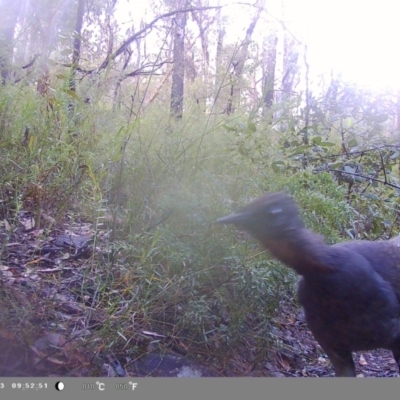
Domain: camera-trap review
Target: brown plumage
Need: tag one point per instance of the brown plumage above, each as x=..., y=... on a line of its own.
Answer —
x=350, y=291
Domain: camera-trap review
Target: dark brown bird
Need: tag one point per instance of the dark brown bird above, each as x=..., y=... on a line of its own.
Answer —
x=350, y=291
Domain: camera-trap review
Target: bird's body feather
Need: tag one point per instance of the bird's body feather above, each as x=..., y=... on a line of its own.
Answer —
x=350, y=291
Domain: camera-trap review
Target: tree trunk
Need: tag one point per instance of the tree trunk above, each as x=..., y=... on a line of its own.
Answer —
x=77, y=43
x=269, y=63
x=291, y=68
x=9, y=11
x=219, y=70
x=238, y=61
x=178, y=73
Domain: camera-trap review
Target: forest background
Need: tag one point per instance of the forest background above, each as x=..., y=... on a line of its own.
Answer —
x=128, y=127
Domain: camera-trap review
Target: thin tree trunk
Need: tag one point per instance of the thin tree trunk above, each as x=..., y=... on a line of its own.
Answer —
x=238, y=61
x=269, y=73
x=9, y=15
x=178, y=73
x=219, y=71
x=76, y=50
x=291, y=68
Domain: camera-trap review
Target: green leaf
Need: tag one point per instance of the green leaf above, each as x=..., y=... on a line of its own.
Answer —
x=335, y=165
x=327, y=144
x=317, y=140
x=229, y=128
x=278, y=166
x=352, y=143
x=300, y=149
x=348, y=122
x=251, y=126
x=72, y=94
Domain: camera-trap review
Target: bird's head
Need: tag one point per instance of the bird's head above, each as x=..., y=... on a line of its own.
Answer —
x=271, y=216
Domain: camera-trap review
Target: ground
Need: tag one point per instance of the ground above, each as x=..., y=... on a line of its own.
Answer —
x=300, y=355
x=42, y=321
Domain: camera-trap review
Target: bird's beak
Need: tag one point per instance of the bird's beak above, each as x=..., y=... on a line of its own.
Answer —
x=235, y=218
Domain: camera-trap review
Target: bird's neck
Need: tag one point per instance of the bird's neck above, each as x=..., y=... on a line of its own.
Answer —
x=302, y=250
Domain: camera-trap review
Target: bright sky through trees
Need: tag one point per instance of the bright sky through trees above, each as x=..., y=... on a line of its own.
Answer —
x=354, y=37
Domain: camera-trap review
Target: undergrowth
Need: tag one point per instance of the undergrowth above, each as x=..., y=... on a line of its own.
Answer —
x=151, y=189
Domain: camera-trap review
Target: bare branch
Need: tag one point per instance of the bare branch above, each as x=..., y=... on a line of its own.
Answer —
x=366, y=177
x=142, y=71
x=35, y=57
x=146, y=28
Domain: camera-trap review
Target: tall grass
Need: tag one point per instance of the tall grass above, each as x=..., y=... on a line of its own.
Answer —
x=161, y=265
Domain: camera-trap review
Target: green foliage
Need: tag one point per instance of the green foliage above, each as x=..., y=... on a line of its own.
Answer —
x=43, y=162
x=343, y=134
x=164, y=183
x=209, y=285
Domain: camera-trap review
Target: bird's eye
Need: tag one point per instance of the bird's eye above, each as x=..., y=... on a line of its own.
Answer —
x=275, y=210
